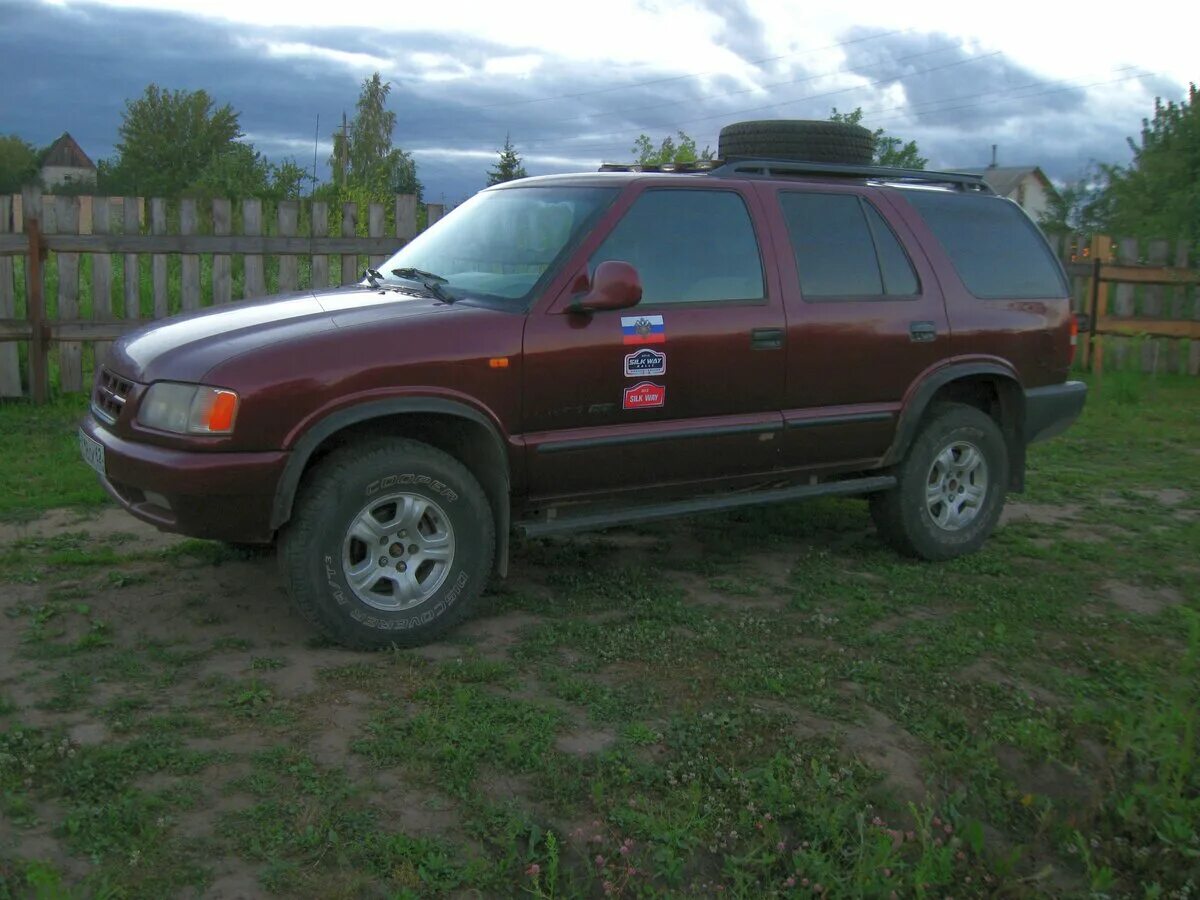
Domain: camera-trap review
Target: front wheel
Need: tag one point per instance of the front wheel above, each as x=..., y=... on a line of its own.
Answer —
x=390, y=543
x=950, y=487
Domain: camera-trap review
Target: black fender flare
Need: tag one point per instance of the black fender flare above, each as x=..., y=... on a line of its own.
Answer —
x=497, y=482
x=920, y=398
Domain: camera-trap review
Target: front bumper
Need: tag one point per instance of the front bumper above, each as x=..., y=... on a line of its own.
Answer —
x=1050, y=410
x=221, y=496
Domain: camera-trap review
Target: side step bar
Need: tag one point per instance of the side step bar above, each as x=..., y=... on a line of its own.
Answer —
x=653, y=512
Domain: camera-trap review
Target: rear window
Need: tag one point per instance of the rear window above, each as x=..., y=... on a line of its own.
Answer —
x=997, y=252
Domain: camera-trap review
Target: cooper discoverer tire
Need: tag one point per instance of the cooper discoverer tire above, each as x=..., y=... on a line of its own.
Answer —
x=390, y=543
x=950, y=487
x=798, y=139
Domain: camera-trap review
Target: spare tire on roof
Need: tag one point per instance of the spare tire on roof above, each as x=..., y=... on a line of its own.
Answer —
x=798, y=139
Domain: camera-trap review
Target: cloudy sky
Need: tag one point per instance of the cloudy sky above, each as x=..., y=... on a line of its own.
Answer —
x=574, y=83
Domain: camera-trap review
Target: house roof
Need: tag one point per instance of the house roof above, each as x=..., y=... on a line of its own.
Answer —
x=66, y=152
x=1004, y=179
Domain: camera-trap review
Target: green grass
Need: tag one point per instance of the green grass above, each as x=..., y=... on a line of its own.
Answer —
x=814, y=716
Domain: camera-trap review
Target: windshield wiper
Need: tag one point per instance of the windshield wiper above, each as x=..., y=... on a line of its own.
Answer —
x=432, y=283
x=374, y=276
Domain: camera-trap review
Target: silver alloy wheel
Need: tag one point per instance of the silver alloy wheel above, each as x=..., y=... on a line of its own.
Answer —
x=957, y=486
x=398, y=551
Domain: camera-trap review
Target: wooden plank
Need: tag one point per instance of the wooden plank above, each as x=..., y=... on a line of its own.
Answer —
x=434, y=213
x=70, y=354
x=375, y=216
x=101, y=273
x=10, y=359
x=35, y=299
x=288, y=215
x=132, y=218
x=14, y=330
x=406, y=217
x=1125, y=276
x=90, y=330
x=189, y=263
x=350, y=273
x=84, y=209
x=1132, y=326
x=222, y=216
x=14, y=245
x=254, y=283
x=1153, y=351
x=1093, y=353
x=1132, y=275
x=158, y=264
x=320, y=228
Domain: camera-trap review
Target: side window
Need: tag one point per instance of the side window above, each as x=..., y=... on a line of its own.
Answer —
x=845, y=249
x=689, y=246
x=996, y=250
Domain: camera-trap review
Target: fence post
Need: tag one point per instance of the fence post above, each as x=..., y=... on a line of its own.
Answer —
x=70, y=353
x=131, y=215
x=287, y=214
x=39, y=372
x=10, y=364
x=406, y=217
x=319, y=223
x=1100, y=252
x=189, y=263
x=101, y=274
x=158, y=262
x=222, y=281
x=350, y=273
x=434, y=212
x=252, y=264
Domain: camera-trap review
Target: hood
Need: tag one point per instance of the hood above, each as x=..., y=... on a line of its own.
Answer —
x=185, y=347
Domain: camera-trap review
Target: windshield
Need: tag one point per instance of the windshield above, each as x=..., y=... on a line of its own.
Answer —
x=498, y=244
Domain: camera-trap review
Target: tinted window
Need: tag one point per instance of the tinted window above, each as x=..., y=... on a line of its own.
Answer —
x=898, y=275
x=995, y=249
x=835, y=238
x=688, y=246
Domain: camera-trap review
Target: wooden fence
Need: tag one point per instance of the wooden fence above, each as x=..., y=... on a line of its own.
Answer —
x=79, y=284
x=1138, y=303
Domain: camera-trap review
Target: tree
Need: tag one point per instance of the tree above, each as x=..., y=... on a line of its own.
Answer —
x=508, y=167
x=668, y=151
x=168, y=139
x=1077, y=206
x=889, y=151
x=1158, y=194
x=18, y=164
x=365, y=158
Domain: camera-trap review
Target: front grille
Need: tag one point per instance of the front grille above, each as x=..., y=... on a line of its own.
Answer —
x=110, y=395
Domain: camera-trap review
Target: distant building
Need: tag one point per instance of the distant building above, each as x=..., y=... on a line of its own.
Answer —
x=66, y=163
x=1028, y=185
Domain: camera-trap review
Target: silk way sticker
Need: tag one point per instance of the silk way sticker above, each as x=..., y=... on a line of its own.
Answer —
x=644, y=395
x=643, y=330
x=645, y=362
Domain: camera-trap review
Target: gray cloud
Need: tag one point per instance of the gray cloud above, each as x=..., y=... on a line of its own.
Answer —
x=78, y=64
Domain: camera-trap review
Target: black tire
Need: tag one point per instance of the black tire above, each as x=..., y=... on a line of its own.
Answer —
x=903, y=515
x=798, y=139
x=335, y=493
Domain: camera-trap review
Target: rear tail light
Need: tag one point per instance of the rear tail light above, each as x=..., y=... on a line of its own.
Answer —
x=1074, y=339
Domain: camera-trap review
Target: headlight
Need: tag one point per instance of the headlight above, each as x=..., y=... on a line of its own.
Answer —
x=188, y=408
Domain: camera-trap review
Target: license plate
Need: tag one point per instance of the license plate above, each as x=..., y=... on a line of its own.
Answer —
x=92, y=451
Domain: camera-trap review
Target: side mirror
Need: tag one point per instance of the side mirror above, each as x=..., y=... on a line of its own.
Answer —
x=616, y=285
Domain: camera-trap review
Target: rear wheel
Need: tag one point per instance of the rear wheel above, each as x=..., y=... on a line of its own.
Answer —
x=389, y=544
x=950, y=487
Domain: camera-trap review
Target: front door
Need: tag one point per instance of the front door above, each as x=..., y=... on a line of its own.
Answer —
x=865, y=318
x=685, y=386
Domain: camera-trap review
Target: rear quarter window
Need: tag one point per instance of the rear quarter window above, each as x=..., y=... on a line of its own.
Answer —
x=996, y=250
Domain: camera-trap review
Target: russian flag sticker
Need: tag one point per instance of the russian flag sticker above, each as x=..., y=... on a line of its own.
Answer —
x=643, y=330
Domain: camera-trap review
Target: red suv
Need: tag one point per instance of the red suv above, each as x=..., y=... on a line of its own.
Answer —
x=579, y=351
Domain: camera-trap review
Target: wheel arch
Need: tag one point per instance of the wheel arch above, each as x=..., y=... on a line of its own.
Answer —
x=989, y=386
x=460, y=430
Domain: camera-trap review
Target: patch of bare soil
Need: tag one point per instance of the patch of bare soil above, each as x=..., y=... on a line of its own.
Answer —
x=1039, y=513
x=1140, y=600
x=340, y=722
x=237, y=881
x=413, y=809
x=100, y=525
x=916, y=614
x=493, y=636
x=1165, y=496
x=586, y=743
x=987, y=670
x=888, y=748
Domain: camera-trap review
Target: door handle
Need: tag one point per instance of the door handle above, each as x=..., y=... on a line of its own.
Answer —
x=922, y=332
x=766, y=338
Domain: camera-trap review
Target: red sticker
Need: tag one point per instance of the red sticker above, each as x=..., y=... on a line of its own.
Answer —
x=644, y=395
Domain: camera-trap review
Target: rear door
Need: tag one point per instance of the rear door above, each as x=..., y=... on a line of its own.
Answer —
x=683, y=387
x=865, y=319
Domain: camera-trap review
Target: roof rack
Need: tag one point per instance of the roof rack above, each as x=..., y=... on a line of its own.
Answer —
x=737, y=165
x=683, y=168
